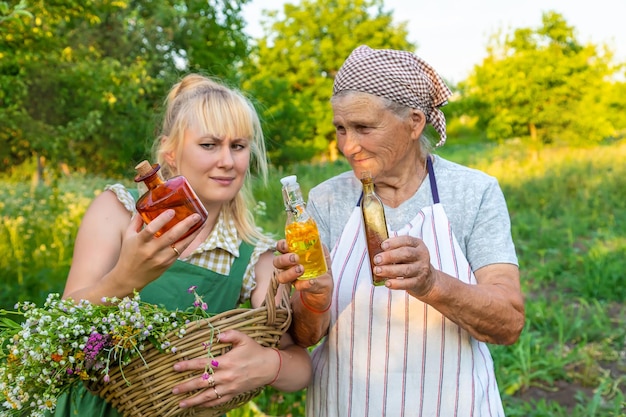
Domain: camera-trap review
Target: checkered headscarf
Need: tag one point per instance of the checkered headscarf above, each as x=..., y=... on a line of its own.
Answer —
x=399, y=76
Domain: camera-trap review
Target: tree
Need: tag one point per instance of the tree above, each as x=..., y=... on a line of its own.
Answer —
x=294, y=64
x=8, y=12
x=542, y=86
x=81, y=80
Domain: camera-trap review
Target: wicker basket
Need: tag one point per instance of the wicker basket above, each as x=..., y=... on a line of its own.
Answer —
x=151, y=380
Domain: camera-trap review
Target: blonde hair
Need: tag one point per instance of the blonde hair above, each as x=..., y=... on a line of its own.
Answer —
x=224, y=112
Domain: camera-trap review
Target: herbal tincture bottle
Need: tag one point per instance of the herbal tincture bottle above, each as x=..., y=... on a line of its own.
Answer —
x=175, y=193
x=374, y=221
x=301, y=231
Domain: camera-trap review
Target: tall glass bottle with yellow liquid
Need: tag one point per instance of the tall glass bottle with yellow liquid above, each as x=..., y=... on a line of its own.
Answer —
x=301, y=231
x=374, y=221
x=175, y=193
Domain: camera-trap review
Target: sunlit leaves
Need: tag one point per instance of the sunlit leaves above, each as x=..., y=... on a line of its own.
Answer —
x=81, y=81
x=301, y=51
x=544, y=86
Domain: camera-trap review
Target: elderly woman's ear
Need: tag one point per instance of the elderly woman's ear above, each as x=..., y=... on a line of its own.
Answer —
x=418, y=120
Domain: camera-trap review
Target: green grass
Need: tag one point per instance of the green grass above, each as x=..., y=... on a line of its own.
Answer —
x=568, y=212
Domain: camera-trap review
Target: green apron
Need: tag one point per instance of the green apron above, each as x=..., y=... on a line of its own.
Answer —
x=220, y=292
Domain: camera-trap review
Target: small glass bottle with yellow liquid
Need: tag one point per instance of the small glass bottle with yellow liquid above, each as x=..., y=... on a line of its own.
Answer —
x=374, y=221
x=301, y=231
x=175, y=193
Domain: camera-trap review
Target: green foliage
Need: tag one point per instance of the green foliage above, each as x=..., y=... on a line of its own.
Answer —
x=564, y=208
x=294, y=64
x=6, y=12
x=80, y=80
x=39, y=224
x=544, y=86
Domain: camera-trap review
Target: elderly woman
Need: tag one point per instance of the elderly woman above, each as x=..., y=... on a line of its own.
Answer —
x=417, y=345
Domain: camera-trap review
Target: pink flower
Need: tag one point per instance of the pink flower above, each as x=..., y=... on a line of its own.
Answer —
x=215, y=363
x=205, y=376
x=192, y=289
x=95, y=344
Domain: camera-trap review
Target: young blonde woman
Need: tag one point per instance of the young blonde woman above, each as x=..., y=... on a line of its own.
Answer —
x=211, y=134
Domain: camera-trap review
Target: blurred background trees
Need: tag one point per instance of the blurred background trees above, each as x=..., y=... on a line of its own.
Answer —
x=544, y=86
x=292, y=69
x=82, y=82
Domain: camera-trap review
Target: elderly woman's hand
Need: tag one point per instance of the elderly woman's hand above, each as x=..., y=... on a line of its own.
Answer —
x=405, y=262
x=317, y=291
x=312, y=299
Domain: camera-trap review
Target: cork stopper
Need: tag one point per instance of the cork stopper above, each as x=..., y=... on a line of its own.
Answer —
x=145, y=169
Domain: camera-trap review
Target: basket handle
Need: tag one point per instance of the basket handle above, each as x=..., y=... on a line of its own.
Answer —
x=270, y=299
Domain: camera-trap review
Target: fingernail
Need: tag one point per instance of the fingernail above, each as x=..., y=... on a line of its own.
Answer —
x=378, y=270
x=384, y=245
x=299, y=269
x=175, y=391
x=292, y=258
x=182, y=405
x=177, y=367
x=195, y=217
x=378, y=259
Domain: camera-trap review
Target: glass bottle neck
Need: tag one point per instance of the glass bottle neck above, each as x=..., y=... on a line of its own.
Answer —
x=292, y=197
x=153, y=181
x=368, y=187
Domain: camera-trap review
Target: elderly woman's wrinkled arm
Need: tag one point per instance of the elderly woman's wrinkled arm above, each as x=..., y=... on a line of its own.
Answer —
x=491, y=311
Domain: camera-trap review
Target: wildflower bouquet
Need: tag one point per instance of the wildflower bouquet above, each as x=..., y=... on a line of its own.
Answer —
x=108, y=347
x=65, y=343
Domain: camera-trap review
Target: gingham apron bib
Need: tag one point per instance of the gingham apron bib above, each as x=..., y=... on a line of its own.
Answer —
x=389, y=354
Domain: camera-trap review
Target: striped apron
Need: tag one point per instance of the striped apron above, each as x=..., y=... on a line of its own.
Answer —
x=389, y=354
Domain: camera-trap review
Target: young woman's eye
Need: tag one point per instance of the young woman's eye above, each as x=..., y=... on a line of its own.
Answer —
x=238, y=146
x=207, y=145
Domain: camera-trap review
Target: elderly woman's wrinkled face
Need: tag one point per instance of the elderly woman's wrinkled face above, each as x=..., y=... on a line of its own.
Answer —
x=374, y=139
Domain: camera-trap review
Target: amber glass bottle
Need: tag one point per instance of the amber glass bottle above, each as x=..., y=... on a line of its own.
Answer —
x=374, y=221
x=175, y=193
x=301, y=232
